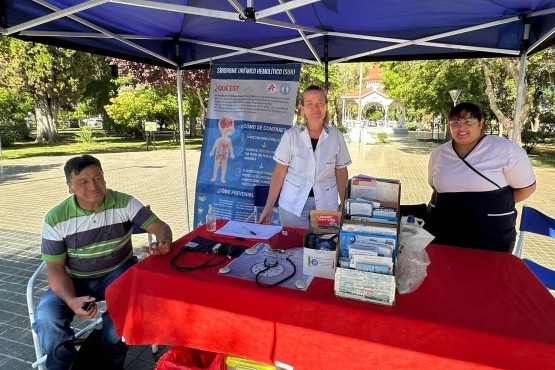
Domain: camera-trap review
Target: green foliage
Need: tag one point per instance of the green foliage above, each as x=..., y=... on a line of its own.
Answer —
x=196, y=85
x=109, y=144
x=382, y=137
x=424, y=85
x=12, y=133
x=411, y=126
x=315, y=75
x=374, y=113
x=135, y=105
x=54, y=77
x=342, y=128
x=13, y=106
x=531, y=139
x=541, y=80
x=85, y=135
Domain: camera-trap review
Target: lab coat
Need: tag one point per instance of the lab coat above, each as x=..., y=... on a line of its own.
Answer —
x=311, y=169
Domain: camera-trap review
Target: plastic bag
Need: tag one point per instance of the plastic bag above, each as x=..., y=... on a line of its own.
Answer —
x=412, y=259
x=184, y=358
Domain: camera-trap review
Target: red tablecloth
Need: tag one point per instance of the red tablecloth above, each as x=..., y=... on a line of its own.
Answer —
x=476, y=309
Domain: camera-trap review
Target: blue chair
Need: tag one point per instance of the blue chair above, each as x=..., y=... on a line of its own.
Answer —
x=533, y=221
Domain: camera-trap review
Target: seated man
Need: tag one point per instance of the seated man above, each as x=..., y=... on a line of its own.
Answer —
x=86, y=243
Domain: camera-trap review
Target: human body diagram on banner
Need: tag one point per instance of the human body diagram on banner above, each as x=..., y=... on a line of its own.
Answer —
x=222, y=148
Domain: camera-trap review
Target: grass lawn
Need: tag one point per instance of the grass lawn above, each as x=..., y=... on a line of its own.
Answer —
x=98, y=145
x=543, y=155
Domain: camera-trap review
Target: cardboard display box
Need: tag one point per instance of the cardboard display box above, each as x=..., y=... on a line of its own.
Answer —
x=322, y=263
x=368, y=242
x=365, y=286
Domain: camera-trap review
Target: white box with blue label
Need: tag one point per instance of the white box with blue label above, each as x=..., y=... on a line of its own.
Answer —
x=321, y=244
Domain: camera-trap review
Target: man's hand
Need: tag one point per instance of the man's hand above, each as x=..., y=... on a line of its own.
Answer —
x=84, y=307
x=158, y=248
x=163, y=243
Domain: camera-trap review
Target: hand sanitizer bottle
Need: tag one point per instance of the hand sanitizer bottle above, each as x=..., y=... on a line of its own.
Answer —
x=210, y=219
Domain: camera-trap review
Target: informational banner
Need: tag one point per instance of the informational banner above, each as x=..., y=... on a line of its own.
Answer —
x=249, y=108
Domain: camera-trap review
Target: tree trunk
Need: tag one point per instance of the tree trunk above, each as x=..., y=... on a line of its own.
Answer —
x=506, y=122
x=192, y=126
x=46, y=116
x=202, y=110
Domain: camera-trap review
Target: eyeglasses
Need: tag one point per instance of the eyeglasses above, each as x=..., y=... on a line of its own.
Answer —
x=466, y=121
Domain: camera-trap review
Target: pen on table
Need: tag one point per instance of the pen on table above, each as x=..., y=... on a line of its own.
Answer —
x=250, y=231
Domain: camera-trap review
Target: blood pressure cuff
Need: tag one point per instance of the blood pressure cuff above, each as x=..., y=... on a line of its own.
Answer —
x=211, y=247
x=200, y=244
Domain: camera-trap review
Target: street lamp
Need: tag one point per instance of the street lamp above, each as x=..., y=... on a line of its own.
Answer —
x=455, y=95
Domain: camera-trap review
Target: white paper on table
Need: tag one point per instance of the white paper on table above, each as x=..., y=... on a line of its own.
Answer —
x=248, y=230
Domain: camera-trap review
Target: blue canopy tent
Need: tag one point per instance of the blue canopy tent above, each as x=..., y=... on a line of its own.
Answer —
x=194, y=33
x=190, y=34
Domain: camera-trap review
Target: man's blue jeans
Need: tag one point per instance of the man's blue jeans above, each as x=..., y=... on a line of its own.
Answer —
x=53, y=319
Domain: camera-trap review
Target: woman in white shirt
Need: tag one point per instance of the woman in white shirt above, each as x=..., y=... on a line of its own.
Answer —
x=477, y=179
x=311, y=165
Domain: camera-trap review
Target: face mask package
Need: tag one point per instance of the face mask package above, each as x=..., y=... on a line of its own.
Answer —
x=412, y=259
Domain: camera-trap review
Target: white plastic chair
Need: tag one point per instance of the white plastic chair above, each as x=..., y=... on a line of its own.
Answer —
x=41, y=356
x=89, y=325
x=534, y=221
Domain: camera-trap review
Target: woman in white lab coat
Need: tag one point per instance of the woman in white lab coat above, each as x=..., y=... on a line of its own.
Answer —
x=311, y=165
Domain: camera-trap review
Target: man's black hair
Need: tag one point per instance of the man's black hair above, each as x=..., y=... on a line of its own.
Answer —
x=474, y=110
x=76, y=164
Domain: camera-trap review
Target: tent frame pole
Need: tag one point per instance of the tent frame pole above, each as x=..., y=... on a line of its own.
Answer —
x=516, y=132
x=182, y=141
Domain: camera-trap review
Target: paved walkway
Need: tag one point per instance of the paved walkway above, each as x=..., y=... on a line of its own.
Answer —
x=30, y=187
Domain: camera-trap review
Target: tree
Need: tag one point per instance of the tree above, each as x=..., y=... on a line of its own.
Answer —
x=53, y=76
x=134, y=105
x=14, y=107
x=541, y=79
x=489, y=83
x=424, y=86
x=315, y=75
x=196, y=85
x=501, y=77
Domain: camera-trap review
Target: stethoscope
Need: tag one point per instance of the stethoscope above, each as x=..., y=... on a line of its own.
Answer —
x=269, y=265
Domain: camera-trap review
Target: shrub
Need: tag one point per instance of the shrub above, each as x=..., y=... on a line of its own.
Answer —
x=85, y=135
x=382, y=137
x=411, y=126
x=342, y=128
x=531, y=138
x=11, y=133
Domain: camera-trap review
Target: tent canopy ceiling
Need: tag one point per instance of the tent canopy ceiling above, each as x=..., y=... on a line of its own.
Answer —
x=196, y=33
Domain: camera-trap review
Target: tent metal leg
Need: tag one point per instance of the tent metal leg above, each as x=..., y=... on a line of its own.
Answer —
x=182, y=141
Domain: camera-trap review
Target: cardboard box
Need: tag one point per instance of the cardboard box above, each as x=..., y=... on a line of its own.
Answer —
x=368, y=244
x=387, y=192
x=322, y=222
x=322, y=263
x=365, y=286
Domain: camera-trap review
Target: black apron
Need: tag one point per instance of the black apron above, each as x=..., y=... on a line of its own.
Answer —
x=482, y=220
